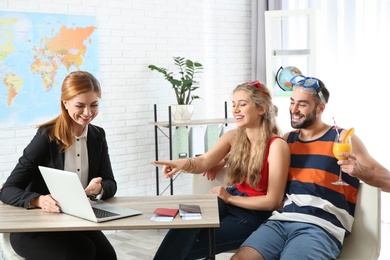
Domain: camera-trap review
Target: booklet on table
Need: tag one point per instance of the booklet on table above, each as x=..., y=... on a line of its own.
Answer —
x=190, y=212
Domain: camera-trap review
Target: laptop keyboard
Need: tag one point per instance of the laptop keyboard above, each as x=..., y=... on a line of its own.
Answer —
x=100, y=213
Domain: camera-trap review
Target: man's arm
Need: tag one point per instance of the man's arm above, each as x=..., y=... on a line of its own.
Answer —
x=362, y=165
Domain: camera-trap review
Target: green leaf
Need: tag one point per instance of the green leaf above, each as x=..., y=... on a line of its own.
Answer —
x=183, y=87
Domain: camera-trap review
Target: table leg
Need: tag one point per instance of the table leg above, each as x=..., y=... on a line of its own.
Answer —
x=212, y=243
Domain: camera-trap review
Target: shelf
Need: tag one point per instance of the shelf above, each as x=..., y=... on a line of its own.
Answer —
x=171, y=124
x=292, y=52
x=194, y=122
x=282, y=49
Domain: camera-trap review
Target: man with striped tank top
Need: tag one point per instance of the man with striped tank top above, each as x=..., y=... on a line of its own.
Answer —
x=317, y=215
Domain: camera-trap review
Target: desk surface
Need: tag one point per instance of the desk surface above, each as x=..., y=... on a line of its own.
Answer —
x=17, y=219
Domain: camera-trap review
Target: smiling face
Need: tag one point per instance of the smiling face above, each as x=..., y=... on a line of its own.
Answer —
x=83, y=108
x=304, y=110
x=245, y=111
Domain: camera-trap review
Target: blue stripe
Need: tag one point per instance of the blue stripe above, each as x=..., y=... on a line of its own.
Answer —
x=320, y=162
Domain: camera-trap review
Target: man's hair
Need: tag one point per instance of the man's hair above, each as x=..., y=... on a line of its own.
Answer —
x=324, y=90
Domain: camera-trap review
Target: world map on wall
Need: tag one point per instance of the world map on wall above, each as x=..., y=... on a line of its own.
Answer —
x=37, y=51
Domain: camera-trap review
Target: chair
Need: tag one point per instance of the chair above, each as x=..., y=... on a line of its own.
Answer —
x=363, y=243
x=200, y=184
x=365, y=239
x=8, y=251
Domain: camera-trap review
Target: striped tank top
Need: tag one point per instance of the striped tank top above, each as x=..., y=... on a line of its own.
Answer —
x=310, y=195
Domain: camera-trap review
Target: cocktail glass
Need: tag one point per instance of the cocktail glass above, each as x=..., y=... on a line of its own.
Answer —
x=341, y=147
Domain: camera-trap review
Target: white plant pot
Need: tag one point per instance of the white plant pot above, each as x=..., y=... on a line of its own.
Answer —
x=182, y=113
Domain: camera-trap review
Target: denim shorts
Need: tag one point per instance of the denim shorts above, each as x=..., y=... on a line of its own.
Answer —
x=293, y=240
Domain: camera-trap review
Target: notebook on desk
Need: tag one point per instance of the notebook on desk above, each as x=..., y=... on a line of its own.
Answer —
x=65, y=187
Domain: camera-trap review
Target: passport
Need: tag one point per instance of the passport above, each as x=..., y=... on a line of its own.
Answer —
x=166, y=212
x=190, y=212
x=187, y=208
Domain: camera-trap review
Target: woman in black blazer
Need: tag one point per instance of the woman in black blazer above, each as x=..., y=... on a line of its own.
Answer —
x=68, y=142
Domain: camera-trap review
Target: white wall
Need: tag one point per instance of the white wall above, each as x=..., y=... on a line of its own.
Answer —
x=133, y=34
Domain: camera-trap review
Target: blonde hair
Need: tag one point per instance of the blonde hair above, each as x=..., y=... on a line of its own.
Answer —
x=60, y=128
x=245, y=164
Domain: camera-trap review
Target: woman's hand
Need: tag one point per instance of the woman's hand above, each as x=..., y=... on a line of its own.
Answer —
x=94, y=187
x=46, y=203
x=170, y=168
x=221, y=192
x=212, y=172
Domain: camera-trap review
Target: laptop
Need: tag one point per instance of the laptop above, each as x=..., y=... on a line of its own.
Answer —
x=65, y=187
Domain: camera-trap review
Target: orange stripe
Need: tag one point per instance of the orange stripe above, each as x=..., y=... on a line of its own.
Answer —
x=318, y=147
x=324, y=179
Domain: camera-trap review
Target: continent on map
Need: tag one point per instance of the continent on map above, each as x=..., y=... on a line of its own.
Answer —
x=66, y=48
x=6, y=37
x=14, y=83
x=11, y=81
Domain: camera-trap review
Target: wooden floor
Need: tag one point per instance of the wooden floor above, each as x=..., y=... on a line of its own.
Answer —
x=137, y=244
x=141, y=244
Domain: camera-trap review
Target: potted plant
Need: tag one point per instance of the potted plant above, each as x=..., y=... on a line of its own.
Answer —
x=183, y=85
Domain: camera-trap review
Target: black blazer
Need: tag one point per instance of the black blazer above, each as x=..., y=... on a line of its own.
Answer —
x=26, y=183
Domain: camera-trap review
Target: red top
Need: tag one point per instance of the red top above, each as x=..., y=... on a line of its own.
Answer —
x=263, y=184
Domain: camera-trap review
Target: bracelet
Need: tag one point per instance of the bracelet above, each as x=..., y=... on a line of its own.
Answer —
x=192, y=165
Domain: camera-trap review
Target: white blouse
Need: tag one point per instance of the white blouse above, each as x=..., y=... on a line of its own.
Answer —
x=76, y=157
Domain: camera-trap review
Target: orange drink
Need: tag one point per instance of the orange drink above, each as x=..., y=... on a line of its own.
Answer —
x=341, y=148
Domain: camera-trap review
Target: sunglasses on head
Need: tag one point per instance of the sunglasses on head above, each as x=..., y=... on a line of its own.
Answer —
x=310, y=85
